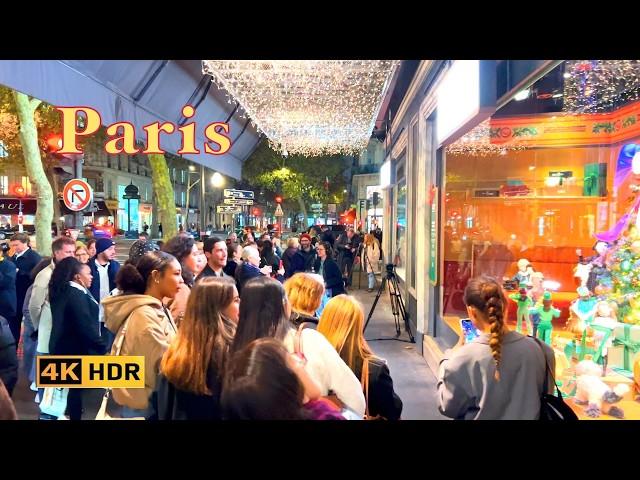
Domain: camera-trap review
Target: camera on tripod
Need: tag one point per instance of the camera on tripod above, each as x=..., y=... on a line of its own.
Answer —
x=390, y=270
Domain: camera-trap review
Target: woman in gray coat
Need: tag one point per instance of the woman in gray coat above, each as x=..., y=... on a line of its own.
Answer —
x=500, y=374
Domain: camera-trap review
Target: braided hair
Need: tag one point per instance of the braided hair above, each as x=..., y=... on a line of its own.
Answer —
x=485, y=294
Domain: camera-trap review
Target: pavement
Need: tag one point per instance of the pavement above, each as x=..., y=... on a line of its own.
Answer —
x=412, y=379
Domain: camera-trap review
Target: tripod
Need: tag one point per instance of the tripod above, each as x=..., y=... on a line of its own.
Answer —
x=397, y=305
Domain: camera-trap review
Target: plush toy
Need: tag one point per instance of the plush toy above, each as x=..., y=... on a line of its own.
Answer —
x=584, y=308
x=537, y=290
x=597, y=395
x=581, y=273
x=599, y=272
x=524, y=302
x=547, y=312
x=524, y=273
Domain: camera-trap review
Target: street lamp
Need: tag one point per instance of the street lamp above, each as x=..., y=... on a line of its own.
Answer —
x=217, y=180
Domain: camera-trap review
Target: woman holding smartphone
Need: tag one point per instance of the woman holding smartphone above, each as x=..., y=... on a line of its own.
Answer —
x=499, y=375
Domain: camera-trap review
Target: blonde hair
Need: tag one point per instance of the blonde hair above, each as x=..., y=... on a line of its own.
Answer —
x=341, y=322
x=304, y=291
x=292, y=242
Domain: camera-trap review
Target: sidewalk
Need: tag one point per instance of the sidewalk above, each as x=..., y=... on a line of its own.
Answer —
x=412, y=378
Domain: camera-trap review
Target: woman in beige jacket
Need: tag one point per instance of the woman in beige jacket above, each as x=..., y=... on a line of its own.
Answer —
x=149, y=325
x=371, y=258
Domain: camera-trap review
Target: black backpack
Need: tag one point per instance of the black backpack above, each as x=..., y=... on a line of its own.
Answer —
x=553, y=407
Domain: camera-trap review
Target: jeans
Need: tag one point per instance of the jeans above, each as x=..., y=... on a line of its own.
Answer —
x=107, y=336
x=372, y=280
x=15, y=325
x=347, y=261
x=74, y=403
x=126, y=412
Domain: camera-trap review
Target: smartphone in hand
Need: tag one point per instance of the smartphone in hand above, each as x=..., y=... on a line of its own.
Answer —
x=469, y=330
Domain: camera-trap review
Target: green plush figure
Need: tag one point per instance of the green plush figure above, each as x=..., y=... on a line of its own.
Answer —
x=524, y=302
x=547, y=312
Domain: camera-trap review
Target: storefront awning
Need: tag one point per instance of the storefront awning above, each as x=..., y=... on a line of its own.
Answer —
x=11, y=206
x=140, y=92
x=101, y=209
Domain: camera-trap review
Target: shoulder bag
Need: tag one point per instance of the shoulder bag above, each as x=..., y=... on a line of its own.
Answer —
x=553, y=407
x=102, y=412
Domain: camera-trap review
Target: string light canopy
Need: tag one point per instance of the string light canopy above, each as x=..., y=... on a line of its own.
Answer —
x=477, y=143
x=308, y=107
x=599, y=86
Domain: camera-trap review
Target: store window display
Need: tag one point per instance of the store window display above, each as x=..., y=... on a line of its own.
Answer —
x=545, y=196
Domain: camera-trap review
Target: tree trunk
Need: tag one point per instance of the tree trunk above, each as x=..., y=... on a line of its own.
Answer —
x=35, y=170
x=53, y=181
x=303, y=209
x=163, y=188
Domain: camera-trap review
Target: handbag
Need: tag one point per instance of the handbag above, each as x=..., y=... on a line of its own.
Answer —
x=54, y=401
x=553, y=407
x=102, y=411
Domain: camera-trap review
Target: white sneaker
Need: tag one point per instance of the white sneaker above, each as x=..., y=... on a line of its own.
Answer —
x=37, y=399
x=33, y=387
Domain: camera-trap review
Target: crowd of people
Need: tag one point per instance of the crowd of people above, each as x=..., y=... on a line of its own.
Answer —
x=217, y=322
x=235, y=328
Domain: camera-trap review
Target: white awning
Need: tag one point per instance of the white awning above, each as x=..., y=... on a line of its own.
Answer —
x=140, y=92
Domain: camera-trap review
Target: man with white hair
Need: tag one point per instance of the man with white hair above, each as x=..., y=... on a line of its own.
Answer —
x=249, y=268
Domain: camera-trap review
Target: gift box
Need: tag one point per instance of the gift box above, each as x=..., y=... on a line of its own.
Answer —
x=626, y=343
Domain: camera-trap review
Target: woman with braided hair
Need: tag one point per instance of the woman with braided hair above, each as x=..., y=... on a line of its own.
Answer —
x=500, y=374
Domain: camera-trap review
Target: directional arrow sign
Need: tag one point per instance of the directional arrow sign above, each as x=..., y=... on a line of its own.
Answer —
x=237, y=201
x=232, y=193
x=228, y=209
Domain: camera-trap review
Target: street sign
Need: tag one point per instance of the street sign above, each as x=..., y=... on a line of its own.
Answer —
x=316, y=206
x=233, y=193
x=237, y=201
x=77, y=195
x=228, y=209
x=279, y=212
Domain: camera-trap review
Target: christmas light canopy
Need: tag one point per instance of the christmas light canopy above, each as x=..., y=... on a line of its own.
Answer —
x=307, y=107
x=598, y=86
x=477, y=142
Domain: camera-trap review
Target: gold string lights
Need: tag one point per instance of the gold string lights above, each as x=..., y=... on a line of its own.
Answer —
x=477, y=143
x=599, y=86
x=307, y=107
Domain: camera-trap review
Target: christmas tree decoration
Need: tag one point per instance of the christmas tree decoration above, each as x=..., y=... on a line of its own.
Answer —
x=308, y=107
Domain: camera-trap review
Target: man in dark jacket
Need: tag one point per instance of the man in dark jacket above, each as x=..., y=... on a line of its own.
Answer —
x=327, y=236
x=308, y=252
x=7, y=288
x=292, y=260
x=249, y=268
x=25, y=260
x=347, y=247
x=104, y=268
x=8, y=356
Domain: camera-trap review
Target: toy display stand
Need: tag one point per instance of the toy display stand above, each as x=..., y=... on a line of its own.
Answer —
x=565, y=375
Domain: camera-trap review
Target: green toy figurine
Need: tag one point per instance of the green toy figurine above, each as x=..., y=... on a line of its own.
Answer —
x=547, y=312
x=524, y=302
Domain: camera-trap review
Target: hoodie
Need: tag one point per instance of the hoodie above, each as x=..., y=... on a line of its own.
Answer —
x=148, y=334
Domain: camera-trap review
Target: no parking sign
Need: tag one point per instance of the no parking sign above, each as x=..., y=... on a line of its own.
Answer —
x=77, y=195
